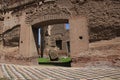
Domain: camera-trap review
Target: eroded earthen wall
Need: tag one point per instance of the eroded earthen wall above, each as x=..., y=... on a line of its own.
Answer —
x=104, y=18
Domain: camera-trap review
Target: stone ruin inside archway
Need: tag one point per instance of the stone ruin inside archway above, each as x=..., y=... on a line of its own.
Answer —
x=48, y=37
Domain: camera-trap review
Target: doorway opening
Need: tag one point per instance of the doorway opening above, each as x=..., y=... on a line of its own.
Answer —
x=59, y=44
x=52, y=37
x=68, y=46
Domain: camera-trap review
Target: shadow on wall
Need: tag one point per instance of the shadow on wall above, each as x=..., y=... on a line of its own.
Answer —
x=104, y=33
x=11, y=37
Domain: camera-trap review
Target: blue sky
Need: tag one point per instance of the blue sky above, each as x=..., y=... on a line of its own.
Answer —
x=39, y=37
x=67, y=26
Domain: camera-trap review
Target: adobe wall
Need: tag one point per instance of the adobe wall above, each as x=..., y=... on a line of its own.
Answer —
x=103, y=15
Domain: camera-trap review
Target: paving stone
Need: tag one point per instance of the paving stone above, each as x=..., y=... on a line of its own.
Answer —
x=58, y=73
x=115, y=76
x=107, y=78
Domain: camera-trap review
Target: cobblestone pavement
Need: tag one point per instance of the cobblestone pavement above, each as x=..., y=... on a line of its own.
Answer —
x=18, y=72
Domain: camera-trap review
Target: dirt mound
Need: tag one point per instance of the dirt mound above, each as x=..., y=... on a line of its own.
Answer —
x=11, y=55
x=102, y=53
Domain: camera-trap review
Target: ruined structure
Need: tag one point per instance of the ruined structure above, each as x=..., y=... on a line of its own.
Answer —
x=57, y=36
x=20, y=20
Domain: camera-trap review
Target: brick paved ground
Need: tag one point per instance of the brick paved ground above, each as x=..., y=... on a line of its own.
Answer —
x=18, y=72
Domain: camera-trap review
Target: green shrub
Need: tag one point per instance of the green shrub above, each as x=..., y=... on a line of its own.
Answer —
x=43, y=60
x=47, y=60
x=68, y=59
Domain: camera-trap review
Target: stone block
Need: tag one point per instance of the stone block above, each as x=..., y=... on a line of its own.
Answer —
x=53, y=55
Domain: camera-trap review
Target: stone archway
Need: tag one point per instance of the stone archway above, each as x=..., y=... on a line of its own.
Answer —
x=78, y=29
x=43, y=26
x=78, y=37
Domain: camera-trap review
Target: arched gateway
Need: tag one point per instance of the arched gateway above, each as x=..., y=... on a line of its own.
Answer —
x=47, y=12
